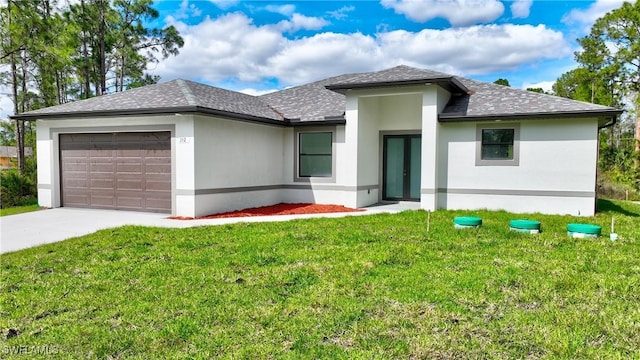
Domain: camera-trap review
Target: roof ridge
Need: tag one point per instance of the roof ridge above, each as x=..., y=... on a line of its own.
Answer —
x=186, y=91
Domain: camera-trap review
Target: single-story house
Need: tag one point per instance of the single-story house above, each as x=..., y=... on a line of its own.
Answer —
x=9, y=156
x=401, y=134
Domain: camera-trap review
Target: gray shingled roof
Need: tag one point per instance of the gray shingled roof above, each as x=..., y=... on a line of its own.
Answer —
x=325, y=100
x=175, y=95
x=399, y=75
x=310, y=102
x=488, y=100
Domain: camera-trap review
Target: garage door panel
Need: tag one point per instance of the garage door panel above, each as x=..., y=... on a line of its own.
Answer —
x=77, y=183
x=131, y=153
x=101, y=153
x=130, y=202
x=105, y=201
x=157, y=204
x=152, y=169
x=129, y=168
x=129, y=171
x=102, y=184
x=102, y=167
x=78, y=199
x=77, y=154
x=133, y=184
x=152, y=185
x=77, y=166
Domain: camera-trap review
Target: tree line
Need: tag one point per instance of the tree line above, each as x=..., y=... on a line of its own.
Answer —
x=52, y=53
x=609, y=74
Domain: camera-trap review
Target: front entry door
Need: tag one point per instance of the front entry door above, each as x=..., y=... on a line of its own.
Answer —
x=401, y=167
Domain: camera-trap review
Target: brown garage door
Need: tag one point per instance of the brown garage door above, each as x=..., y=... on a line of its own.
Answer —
x=124, y=171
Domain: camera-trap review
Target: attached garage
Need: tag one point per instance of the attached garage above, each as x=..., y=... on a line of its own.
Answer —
x=119, y=170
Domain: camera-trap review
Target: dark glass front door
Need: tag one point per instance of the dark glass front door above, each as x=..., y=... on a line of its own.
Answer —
x=401, y=167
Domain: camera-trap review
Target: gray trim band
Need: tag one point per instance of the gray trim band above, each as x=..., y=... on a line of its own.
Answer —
x=273, y=187
x=45, y=186
x=235, y=189
x=427, y=191
x=558, y=193
x=330, y=187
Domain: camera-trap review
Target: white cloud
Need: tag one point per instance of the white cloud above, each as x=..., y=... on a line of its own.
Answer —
x=520, y=9
x=285, y=10
x=225, y=4
x=296, y=21
x=342, y=12
x=232, y=47
x=457, y=12
x=301, y=22
x=187, y=10
x=256, y=92
x=589, y=16
x=478, y=49
x=6, y=106
x=544, y=85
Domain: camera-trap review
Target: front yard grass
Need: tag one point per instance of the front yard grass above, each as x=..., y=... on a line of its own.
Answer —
x=357, y=287
x=19, y=210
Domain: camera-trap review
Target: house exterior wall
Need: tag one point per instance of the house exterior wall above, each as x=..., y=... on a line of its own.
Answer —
x=335, y=190
x=9, y=156
x=237, y=164
x=48, y=149
x=430, y=140
x=223, y=165
x=556, y=171
x=371, y=114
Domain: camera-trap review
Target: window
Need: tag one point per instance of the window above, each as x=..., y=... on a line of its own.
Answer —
x=498, y=145
x=315, y=154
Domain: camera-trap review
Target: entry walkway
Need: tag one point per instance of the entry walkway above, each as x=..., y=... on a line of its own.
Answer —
x=52, y=225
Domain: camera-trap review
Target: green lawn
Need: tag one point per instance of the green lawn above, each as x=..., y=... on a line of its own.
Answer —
x=357, y=287
x=19, y=210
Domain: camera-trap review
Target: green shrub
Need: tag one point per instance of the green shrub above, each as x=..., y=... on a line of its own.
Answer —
x=16, y=189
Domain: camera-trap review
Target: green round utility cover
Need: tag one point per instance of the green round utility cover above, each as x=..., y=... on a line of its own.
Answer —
x=584, y=228
x=467, y=221
x=525, y=224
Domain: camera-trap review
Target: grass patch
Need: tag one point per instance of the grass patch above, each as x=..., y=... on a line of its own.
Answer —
x=19, y=210
x=357, y=287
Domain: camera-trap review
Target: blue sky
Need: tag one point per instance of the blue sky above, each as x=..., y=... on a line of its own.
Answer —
x=259, y=46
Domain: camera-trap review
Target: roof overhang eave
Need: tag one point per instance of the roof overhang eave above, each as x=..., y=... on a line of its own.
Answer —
x=450, y=84
x=605, y=118
x=328, y=120
x=154, y=111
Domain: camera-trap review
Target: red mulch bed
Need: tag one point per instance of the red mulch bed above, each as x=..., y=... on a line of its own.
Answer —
x=279, y=209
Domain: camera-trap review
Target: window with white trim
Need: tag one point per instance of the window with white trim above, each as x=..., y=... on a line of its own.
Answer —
x=498, y=145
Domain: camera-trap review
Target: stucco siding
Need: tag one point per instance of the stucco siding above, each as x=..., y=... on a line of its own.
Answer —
x=556, y=170
x=443, y=98
x=430, y=154
x=401, y=112
x=369, y=114
x=234, y=162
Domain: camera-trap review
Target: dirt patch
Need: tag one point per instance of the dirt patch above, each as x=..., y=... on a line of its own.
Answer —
x=278, y=209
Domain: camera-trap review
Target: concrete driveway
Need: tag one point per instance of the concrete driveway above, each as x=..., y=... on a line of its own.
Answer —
x=46, y=226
